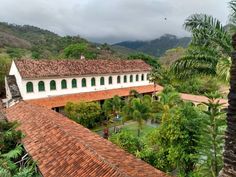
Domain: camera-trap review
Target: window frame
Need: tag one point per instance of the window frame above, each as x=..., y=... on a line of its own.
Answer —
x=41, y=86
x=131, y=79
x=125, y=79
x=51, y=86
x=102, y=81
x=142, y=77
x=137, y=77
x=93, y=82
x=110, y=80
x=118, y=80
x=74, y=83
x=84, y=82
x=29, y=88
x=63, y=84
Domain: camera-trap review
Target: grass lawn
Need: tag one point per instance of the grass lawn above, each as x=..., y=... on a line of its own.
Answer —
x=133, y=128
x=130, y=126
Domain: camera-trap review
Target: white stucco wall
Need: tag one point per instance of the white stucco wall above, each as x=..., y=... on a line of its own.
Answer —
x=14, y=71
x=59, y=91
x=49, y=93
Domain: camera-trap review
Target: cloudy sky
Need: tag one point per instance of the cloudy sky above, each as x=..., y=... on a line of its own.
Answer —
x=110, y=20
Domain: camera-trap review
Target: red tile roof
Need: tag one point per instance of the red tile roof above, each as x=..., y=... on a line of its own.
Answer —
x=59, y=101
x=62, y=147
x=54, y=68
x=200, y=99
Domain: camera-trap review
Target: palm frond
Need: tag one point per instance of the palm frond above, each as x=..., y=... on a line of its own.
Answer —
x=15, y=153
x=232, y=5
x=4, y=172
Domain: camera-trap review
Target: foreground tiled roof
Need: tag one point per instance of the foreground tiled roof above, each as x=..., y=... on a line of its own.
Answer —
x=59, y=101
x=63, y=148
x=53, y=68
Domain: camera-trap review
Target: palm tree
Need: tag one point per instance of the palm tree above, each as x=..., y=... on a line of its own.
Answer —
x=229, y=169
x=168, y=99
x=209, y=51
x=141, y=111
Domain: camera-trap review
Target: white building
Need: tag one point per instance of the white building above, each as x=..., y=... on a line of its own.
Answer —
x=38, y=79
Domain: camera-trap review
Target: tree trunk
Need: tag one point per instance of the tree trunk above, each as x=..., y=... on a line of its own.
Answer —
x=229, y=169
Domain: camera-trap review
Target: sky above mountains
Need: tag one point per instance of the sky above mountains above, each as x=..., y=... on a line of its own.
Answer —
x=111, y=20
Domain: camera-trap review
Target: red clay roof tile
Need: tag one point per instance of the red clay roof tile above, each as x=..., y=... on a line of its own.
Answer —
x=62, y=147
x=29, y=68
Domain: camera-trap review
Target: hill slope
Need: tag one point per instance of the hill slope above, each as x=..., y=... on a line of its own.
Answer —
x=158, y=46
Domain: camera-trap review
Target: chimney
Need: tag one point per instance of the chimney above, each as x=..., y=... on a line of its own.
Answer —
x=82, y=57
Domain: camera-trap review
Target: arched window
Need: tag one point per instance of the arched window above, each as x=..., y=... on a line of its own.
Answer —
x=118, y=79
x=63, y=84
x=137, y=77
x=131, y=78
x=74, y=83
x=142, y=77
x=102, y=81
x=93, y=82
x=53, y=85
x=147, y=76
x=41, y=86
x=110, y=80
x=84, y=82
x=29, y=87
x=125, y=79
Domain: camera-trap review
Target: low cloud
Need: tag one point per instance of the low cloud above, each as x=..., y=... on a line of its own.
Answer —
x=110, y=21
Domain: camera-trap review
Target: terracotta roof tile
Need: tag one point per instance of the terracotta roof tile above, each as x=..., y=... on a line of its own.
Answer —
x=62, y=147
x=59, y=101
x=50, y=68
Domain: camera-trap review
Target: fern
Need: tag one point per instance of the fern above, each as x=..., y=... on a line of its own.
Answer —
x=14, y=153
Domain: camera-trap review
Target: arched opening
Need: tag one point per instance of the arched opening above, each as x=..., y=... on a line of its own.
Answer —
x=131, y=78
x=102, y=81
x=110, y=80
x=142, y=77
x=41, y=86
x=29, y=87
x=53, y=85
x=63, y=84
x=118, y=79
x=93, y=82
x=125, y=79
x=137, y=77
x=84, y=82
x=74, y=83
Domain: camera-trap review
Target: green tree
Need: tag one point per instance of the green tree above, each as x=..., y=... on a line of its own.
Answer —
x=209, y=51
x=174, y=141
x=5, y=63
x=147, y=58
x=211, y=139
x=127, y=141
x=138, y=109
x=168, y=100
x=76, y=50
x=84, y=113
x=11, y=150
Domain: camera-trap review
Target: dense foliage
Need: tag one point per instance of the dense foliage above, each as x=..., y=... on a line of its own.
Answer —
x=188, y=140
x=87, y=114
x=11, y=152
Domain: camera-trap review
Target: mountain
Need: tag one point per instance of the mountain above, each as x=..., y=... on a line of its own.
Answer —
x=32, y=42
x=156, y=47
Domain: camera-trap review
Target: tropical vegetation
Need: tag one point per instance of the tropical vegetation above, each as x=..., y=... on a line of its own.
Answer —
x=14, y=161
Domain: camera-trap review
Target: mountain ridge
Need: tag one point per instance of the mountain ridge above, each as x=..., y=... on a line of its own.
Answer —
x=156, y=47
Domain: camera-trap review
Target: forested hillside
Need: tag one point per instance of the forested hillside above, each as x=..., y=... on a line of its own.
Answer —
x=158, y=46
